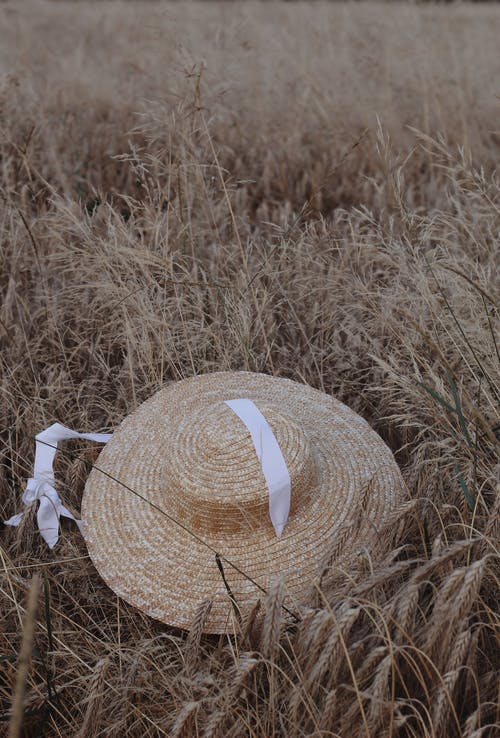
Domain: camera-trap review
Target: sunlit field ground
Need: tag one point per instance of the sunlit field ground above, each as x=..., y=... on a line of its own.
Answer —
x=306, y=190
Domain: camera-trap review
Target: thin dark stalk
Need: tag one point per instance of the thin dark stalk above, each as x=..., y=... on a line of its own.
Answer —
x=236, y=609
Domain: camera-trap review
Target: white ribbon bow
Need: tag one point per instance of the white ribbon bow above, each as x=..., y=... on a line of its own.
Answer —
x=41, y=485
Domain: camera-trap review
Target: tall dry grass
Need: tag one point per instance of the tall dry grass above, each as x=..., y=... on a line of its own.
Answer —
x=303, y=190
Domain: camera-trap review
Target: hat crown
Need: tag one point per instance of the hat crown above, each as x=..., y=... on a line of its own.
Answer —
x=215, y=477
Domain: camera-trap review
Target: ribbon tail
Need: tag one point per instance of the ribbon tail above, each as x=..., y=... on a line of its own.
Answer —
x=15, y=520
x=67, y=514
x=279, y=506
x=278, y=528
x=271, y=459
x=48, y=521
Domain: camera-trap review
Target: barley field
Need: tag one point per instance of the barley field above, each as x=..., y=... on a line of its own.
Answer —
x=307, y=190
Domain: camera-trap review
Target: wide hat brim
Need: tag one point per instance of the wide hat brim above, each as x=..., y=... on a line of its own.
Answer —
x=163, y=561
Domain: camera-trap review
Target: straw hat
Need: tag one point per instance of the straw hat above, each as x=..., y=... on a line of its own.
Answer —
x=180, y=480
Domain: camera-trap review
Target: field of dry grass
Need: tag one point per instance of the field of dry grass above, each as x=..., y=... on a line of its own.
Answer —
x=306, y=190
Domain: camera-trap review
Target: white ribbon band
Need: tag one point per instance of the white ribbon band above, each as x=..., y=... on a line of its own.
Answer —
x=42, y=486
x=271, y=459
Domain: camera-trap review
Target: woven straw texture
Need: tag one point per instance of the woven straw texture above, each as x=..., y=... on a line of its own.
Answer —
x=193, y=461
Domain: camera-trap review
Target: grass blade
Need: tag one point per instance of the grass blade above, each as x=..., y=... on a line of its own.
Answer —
x=436, y=396
x=458, y=408
x=465, y=489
